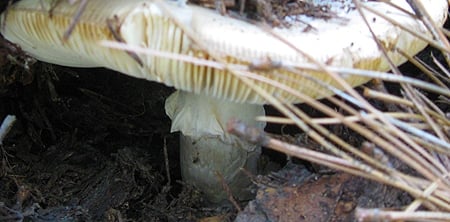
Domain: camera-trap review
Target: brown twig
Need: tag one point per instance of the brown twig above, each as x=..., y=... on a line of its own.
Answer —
x=166, y=163
x=114, y=27
x=75, y=19
x=228, y=192
x=382, y=215
x=422, y=14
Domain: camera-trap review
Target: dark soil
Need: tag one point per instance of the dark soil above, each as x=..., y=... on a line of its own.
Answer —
x=89, y=145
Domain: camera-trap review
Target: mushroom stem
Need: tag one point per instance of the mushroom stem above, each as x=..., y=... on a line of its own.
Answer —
x=207, y=150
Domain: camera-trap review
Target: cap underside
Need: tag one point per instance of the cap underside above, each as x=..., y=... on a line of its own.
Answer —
x=344, y=41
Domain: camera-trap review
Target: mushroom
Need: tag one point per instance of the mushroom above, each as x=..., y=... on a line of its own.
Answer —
x=208, y=96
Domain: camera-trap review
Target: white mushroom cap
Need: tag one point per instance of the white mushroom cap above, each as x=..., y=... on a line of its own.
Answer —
x=336, y=42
